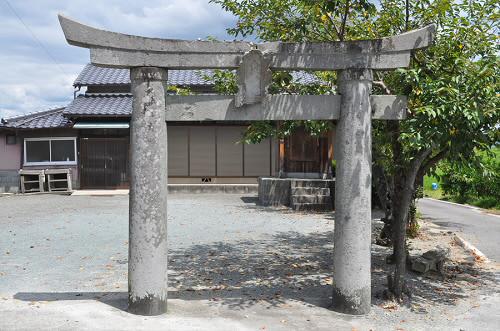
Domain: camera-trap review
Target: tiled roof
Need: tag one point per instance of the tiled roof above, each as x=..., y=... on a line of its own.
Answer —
x=93, y=75
x=104, y=105
x=46, y=119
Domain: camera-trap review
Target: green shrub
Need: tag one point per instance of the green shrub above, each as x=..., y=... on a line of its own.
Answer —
x=469, y=182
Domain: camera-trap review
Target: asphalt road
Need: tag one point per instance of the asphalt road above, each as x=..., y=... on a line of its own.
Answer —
x=475, y=226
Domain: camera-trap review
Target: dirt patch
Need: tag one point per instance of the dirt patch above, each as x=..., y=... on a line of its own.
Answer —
x=464, y=276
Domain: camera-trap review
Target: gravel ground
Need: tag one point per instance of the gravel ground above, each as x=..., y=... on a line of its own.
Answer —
x=232, y=266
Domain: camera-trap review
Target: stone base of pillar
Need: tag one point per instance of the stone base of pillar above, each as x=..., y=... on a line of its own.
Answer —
x=356, y=303
x=149, y=306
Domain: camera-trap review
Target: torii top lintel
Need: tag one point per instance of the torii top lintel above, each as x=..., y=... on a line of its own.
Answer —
x=113, y=49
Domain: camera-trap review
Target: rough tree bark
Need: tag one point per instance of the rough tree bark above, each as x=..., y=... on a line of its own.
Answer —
x=404, y=188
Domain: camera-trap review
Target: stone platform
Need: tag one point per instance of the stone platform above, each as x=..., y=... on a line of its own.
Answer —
x=297, y=193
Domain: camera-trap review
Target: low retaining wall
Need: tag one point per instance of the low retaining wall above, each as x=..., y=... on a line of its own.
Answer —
x=213, y=188
x=9, y=181
x=274, y=191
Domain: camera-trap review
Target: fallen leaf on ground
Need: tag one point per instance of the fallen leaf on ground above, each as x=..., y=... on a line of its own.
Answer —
x=390, y=306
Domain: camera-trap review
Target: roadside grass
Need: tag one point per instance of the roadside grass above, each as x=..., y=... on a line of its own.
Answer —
x=489, y=203
x=429, y=192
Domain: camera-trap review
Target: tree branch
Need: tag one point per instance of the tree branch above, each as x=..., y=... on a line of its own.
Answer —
x=432, y=161
x=416, y=163
x=382, y=85
x=344, y=20
x=407, y=14
x=334, y=26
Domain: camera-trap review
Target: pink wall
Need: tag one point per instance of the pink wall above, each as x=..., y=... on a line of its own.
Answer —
x=10, y=155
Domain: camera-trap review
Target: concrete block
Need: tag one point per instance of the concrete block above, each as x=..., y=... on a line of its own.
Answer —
x=314, y=199
x=320, y=207
x=9, y=181
x=317, y=183
x=421, y=264
x=437, y=254
x=274, y=191
x=310, y=190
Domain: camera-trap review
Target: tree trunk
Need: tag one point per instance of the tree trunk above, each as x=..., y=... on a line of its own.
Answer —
x=384, y=189
x=403, y=190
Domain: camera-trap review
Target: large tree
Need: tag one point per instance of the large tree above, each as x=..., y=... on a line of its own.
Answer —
x=452, y=86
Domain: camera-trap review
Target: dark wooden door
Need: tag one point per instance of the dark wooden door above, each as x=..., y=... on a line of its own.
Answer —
x=104, y=162
x=303, y=152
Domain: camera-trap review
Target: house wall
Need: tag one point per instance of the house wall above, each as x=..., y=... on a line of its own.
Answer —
x=47, y=134
x=198, y=153
x=10, y=159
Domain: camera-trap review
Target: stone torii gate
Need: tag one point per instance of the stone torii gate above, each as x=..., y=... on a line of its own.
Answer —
x=354, y=108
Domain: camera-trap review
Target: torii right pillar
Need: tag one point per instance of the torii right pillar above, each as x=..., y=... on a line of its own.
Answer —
x=352, y=234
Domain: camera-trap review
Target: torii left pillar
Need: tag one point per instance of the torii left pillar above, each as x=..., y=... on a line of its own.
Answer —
x=147, y=263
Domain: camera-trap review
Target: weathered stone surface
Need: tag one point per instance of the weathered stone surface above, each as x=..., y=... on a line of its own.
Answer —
x=318, y=207
x=213, y=188
x=421, y=264
x=310, y=190
x=439, y=253
x=82, y=35
x=276, y=108
x=433, y=259
x=312, y=194
x=128, y=58
x=299, y=194
x=274, y=191
x=254, y=77
x=148, y=257
x=147, y=277
x=352, y=234
x=313, y=183
x=121, y=50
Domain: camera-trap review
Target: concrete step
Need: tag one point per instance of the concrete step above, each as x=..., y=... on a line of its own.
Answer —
x=311, y=183
x=213, y=188
x=310, y=191
x=312, y=207
x=315, y=199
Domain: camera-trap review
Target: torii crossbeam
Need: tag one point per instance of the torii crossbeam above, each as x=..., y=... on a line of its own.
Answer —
x=149, y=60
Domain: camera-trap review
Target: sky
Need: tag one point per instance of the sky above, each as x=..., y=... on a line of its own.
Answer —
x=38, y=67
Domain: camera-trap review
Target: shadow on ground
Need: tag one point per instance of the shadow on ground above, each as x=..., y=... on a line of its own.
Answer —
x=287, y=266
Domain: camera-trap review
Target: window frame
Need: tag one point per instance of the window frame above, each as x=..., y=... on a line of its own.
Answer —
x=50, y=139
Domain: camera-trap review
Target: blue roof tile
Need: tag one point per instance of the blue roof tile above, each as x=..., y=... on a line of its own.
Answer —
x=93, y=75
x=103, y=105
x=47, y=119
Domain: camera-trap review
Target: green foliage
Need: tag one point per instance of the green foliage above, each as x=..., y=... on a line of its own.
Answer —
x=224, y=81
x=413, y=228
x=282, y=83
x=258, y=131
x=413, y=225
x=298, y=20
x=178, y=90
x=482, y=182
x=452, y=86
x=428, y=191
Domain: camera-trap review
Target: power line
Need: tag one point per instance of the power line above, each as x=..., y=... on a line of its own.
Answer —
x=34, y=36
